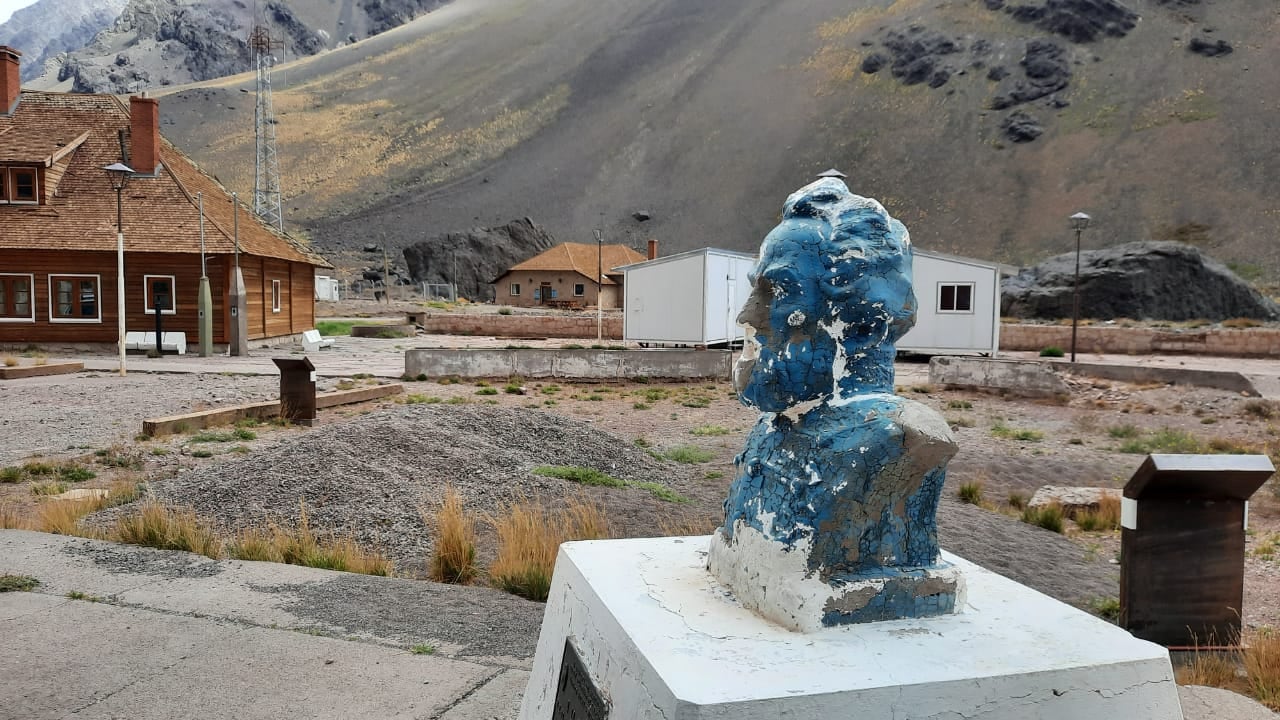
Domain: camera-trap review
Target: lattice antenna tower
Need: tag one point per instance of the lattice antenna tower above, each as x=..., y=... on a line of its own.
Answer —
x=266, y=167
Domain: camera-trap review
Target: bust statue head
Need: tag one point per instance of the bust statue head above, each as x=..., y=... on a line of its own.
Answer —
x=832, y=294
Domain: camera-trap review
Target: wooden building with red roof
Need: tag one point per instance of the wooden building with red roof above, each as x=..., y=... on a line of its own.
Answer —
x=58, y=260
x=565, y=276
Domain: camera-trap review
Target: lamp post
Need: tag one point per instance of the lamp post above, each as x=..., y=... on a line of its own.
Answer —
x=1079, y=222
x=119, y=174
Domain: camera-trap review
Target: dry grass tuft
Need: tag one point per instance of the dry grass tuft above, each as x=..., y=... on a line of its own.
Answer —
x=301, y=546
x=1262, y=667
x=454, y=557
x=529, y=536
x=688, y=525
x=12, y=519
x=1211, y=668
x=157, y=526
x=62, y=517
x=1106, y=517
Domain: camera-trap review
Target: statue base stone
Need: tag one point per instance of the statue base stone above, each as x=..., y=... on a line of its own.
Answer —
x=658, y=638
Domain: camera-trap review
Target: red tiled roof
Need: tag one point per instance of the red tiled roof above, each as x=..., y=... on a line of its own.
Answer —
x=581, y=258
x=160, y=213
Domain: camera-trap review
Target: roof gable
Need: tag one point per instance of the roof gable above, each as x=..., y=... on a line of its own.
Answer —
x=74, y=136
x=581, y=258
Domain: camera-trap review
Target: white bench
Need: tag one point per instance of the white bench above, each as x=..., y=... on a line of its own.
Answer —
x=133, y=340
x=313, y=342
x=144, y=341
x=173, y=341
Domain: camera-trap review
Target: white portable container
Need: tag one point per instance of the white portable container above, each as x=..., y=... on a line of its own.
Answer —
x=691, y=298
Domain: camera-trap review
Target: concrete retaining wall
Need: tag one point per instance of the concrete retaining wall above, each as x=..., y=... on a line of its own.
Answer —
x=1029, y=378
x=1220, y=379
x=1250, y=342
x=519, y=325
x=571, y=364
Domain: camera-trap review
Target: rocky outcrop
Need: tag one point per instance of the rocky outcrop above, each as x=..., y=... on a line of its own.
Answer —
x=49, y=27
x=479, y=255
x=1080, y=21
x=165, y=42
x=1142, y=280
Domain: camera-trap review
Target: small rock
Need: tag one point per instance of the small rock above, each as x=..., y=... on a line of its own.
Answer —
x=874, y=63
x=641, y=215
x=1021, y=127
x=1210, y=48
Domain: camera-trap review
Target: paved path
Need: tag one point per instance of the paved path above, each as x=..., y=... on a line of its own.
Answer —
x=175, y=635
x=165, y=635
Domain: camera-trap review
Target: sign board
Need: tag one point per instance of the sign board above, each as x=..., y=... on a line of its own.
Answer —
x=577, y=697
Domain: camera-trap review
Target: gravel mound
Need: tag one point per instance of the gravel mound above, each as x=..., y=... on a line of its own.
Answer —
x=369, y=477
x=1035, y=557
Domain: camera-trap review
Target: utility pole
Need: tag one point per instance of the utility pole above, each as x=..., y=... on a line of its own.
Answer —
x=599, y=285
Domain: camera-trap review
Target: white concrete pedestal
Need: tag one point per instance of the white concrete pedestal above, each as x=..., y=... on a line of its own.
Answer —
x=661, y=639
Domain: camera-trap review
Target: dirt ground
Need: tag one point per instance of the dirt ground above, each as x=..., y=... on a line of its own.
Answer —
x=92, y=418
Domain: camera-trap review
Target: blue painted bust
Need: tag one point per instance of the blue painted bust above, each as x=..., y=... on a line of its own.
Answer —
x=831, y=516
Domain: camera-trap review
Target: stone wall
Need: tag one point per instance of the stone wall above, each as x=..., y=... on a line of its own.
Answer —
x=521, y=326
x=1251, y=342
x=570, y=364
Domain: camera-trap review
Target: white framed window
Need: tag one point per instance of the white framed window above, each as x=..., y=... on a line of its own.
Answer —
x=515, y=289
x=16, y=299
x=955, y=298
x=275, y=296
x=160, y=289
x=579, y=289
x=75, y=298
x=19, y=186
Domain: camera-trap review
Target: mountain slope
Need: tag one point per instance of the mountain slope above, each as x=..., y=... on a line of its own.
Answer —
x=48, y=27
x=580, y=113
x=155, y=43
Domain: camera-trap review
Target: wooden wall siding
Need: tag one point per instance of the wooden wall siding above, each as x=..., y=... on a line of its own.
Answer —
x=297, y=311
x=275, y=323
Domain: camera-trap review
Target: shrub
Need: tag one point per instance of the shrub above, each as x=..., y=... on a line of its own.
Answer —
x=1051, y=351
x=1017, y=500
x=10, y=361
x=1260, y=409
x=487, y=391
x=1048, y=517
x=504, y=311
x=514, y=389
x=49, y=488
x=959, y=405
x=453, y=559
x=640, y=406
x=11, y=474
x=970, y=493
x=37, y=469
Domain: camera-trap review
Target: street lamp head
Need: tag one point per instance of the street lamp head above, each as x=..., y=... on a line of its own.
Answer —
x=1080, y=221
x=119, y=174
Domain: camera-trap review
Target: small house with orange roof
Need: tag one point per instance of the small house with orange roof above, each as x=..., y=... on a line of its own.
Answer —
x=565, y=276
x=58, y=224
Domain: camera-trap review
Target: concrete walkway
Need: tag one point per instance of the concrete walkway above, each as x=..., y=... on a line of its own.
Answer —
x=160, y=635
x=173, y=635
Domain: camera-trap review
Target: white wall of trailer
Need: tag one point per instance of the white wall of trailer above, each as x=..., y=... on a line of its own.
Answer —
x=691, y=298
x=941, y=329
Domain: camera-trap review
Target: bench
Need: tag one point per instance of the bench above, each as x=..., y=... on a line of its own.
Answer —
x=144, y=341
x=133, y=340
x=313, y=342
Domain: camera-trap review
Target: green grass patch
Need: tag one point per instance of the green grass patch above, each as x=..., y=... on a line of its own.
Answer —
x=487, y=391
x=1107, y=608
x=580, y=475
x=423, y=649
x=334, y=328
x=49, y=488
x=201, y=453
x=970, y=493
x=1165, y=440
x=1051, y=351
x=959, y=405
x=697, y=402
x=17, y=583
x=1123, y=432
x=689, y=454
x=709, y=431
x=1048, y=517
x=662, y=492
x=1001, y=430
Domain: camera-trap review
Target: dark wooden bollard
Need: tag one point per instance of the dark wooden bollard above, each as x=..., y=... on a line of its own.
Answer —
x=297, y=390
x=1183, y=520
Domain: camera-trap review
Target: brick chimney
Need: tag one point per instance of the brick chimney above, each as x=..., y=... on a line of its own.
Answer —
x=653, y=249
x=144, y=134
x=10, y=79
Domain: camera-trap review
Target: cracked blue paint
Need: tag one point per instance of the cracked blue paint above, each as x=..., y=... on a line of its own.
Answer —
x=837, y=463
